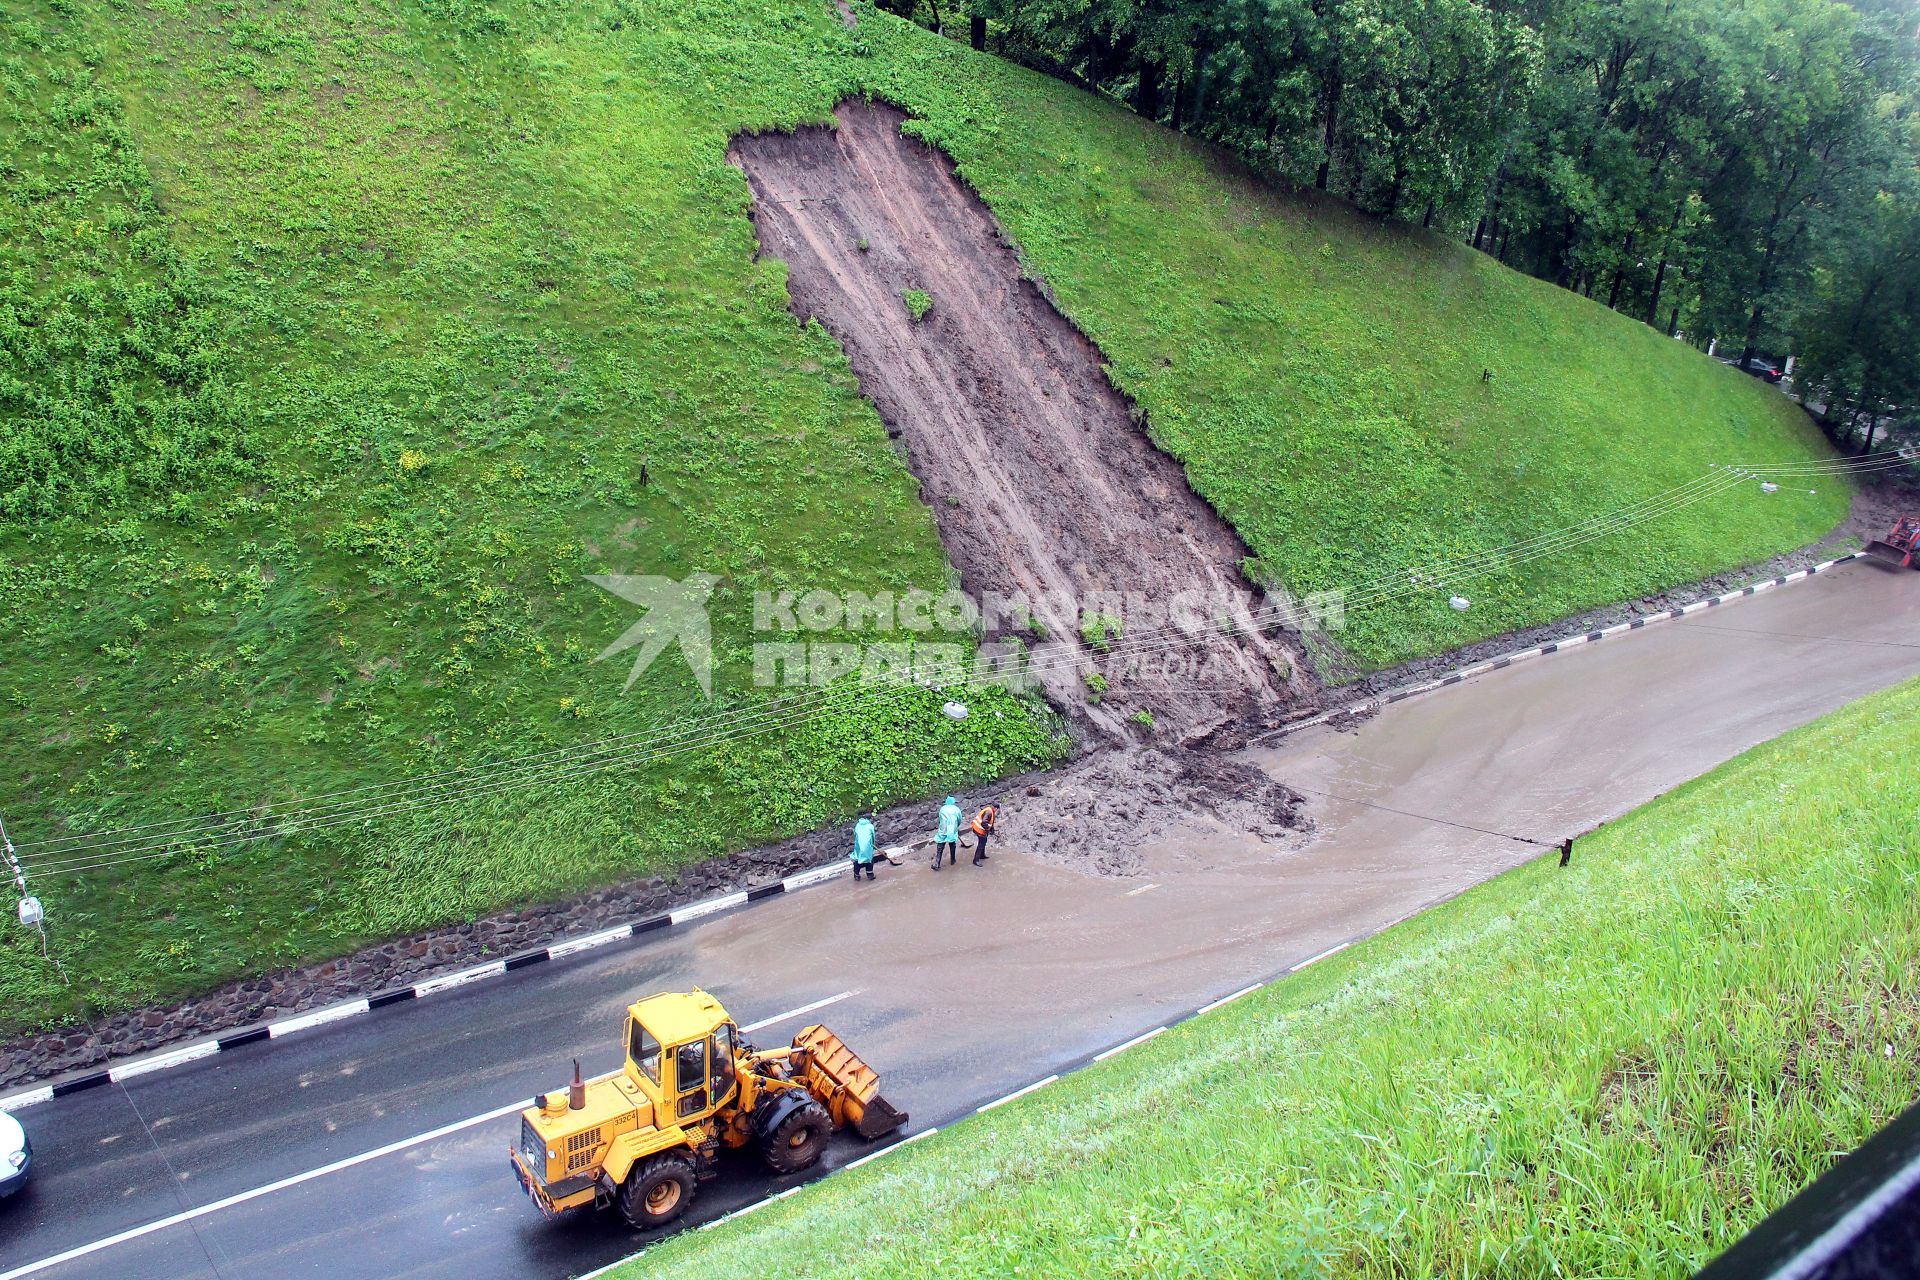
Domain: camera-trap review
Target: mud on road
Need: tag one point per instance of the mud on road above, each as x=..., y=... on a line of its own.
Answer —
x=1041, y=479
x=1003, y=405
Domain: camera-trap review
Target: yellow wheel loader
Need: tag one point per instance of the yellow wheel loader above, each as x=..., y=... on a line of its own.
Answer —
x=643, y=1139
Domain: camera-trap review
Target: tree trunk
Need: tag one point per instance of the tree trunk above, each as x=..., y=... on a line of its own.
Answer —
x=1179, y=97
x=1653, y=303
x=1564, y=275
x=1620, y=273
x=1426, y=223
x=1490, y=206
x=1327, y=136
x=1761, y=290
x=977, y=31
x=1146, y=94
x=1673, y=320
x=1753, y=333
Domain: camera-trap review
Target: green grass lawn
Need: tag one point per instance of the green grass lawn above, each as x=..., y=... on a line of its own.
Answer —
x=340, y=340
x=1609, y=1070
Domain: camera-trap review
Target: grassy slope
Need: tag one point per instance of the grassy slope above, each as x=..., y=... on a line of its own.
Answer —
x=1320, y=374
x=338, y=332
x=526, y=261
x=1611, y=1070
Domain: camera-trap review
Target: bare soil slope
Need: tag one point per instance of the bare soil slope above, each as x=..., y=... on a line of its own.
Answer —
x=1041, y=482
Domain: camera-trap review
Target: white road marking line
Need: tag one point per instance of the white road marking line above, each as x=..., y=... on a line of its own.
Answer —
x=1122, y=1048
x=907, y=1141
x=174, y=1220
x=161, y=1061
x=448, y=982
x=243, y=1197
x=1244, y=991
x=315, y=1018
x=1294, y=969
x=27, y=1098
x=741, y=1212
x=708, y=907
x=1142, y=889
x=587, y=943
x=985, y=1106
x=780, y=1017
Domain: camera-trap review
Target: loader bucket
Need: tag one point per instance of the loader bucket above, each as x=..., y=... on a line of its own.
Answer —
x=1887, y=553
x=878, y=1118
x=847, y=1087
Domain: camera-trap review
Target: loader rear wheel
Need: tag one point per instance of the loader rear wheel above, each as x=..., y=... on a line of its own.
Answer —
x=657, y=1191
x=797, y=1141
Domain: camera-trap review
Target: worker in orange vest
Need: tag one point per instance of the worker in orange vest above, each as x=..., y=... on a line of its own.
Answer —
x=982, y=828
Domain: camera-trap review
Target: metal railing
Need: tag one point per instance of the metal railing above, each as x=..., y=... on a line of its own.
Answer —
x=1859, y=1221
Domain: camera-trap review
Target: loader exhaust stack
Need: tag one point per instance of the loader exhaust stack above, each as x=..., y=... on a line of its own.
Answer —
x=642, y=1139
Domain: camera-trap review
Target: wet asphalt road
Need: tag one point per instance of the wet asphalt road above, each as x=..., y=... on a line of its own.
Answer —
x=958, y=987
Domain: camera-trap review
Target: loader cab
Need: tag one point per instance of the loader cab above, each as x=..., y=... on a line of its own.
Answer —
x=680, y=1053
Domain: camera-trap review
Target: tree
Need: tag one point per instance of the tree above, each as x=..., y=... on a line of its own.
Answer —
x=1859, y=334
x=1737, y=163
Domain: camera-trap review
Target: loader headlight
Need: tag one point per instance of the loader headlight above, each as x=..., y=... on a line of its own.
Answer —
x=533, y=1149
x=16, y=1158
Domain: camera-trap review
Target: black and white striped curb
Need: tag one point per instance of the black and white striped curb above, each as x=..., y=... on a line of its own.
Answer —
x=1054, y=1078
x=133, y=1068
x=140, y=1066
x=1373, y=704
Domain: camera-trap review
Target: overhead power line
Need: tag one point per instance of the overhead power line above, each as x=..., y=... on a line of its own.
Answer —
x=209, y=833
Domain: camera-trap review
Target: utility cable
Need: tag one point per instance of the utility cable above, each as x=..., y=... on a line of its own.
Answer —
x=418, y=800
x=52, y=958
x=1423, y=817
x=160, y=839
x=264, y=813
x=1794, y=635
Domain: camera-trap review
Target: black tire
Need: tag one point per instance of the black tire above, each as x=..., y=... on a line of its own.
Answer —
x=657, y=1190
x=798, y=1140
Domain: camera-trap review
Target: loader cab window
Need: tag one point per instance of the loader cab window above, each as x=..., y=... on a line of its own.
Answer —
x=720, y=1058
x=690, y=1075
x=643, y=1049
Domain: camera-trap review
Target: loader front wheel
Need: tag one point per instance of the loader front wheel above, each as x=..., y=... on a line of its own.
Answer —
x=797, y=1141
x=657, y=1191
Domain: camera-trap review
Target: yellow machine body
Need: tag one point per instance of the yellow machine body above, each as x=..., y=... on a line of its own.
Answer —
x=691, y=1086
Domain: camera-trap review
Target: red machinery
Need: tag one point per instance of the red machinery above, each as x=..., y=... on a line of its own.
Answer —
x=1901, y=546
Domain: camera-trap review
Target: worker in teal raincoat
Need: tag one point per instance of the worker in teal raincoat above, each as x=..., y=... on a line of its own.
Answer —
x=863, y=842
x=946, y=836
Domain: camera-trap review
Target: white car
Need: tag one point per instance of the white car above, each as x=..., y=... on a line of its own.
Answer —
x=16, y=1155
